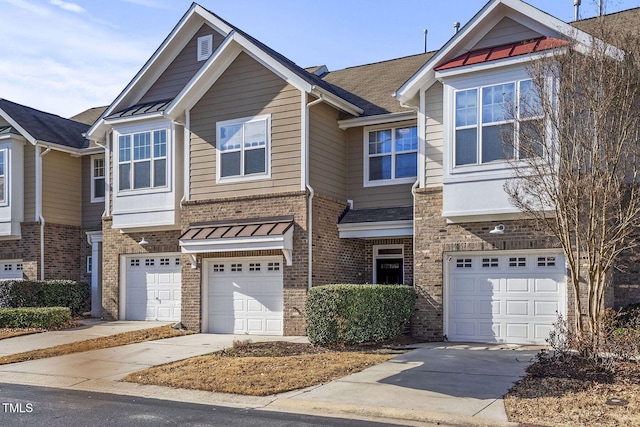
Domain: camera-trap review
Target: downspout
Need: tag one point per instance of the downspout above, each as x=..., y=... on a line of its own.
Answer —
x=306, y=184
x=39, y=216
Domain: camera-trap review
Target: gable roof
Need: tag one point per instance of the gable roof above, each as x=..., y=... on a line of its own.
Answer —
x=38, y=126
x=89, y=116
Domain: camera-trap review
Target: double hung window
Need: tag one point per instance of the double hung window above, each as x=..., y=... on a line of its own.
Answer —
x=3, y=176
x=484, y=115
x=392, y=155
x=97, y=179
x=142, y=160
x=243, y=148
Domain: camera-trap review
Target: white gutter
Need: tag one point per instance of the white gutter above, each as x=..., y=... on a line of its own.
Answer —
x=378, y=119
x=305, y=164
x=39, y=216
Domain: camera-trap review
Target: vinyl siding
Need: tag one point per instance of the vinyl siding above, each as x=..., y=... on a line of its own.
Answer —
x=246, y=89
x=434, y=135
x=371, y=197
x=62, y=188
x=91, y=212
x=182, y=69
x=29, y=183
x=328, y=153
x=506, y=31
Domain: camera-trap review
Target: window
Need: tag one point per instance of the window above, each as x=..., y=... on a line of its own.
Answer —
x=97, y=179
x=243, y=148
x=489, y=262
x=205, y=47
x=89, y=264
x=483, y=115
x=464, y=263
x=392, y=155
x=3, y=176
x=142, y=160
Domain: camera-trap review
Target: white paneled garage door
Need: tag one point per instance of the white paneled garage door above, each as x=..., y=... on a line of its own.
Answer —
x=245, y=296
x=504, y=298
x=10, y=269
x=152, y=286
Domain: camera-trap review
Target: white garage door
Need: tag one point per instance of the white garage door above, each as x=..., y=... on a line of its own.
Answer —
x=153, y=288
x=245, y=296
x=10, y=269
x=504, y=298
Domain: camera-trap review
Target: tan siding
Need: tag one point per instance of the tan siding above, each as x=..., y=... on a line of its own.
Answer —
x=327, y=153
x=506, y=31
x=62, y=188
x=91, y=212
x=370, y=197
x=246, y=89
x=29, y=183
x=434, y=135
x=182, y=69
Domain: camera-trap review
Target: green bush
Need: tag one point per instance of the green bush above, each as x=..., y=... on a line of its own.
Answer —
x=354, y=314
x=34, y=317
x=49, y=293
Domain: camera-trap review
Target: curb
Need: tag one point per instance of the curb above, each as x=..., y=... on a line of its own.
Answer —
x=311, y=407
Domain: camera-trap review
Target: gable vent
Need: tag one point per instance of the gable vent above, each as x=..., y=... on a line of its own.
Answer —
x=205, y=47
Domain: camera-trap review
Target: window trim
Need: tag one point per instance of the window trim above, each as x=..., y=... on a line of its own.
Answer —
x=168, y=157
x=377, y=256
x=479, y=165
x=95, y=199
x=366, y=156
x=243, y=177
x=7, y=176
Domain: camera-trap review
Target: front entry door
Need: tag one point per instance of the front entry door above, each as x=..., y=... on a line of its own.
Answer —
x=389, y=271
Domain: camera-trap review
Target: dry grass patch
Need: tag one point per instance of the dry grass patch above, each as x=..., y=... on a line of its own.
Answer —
x=16, y=332
x=260, y=369
x=116, y=340
x=563, y=393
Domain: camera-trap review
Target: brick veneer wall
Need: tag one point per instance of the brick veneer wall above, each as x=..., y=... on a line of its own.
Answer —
x=626, y=277
x=115, y=244
x=254, y=207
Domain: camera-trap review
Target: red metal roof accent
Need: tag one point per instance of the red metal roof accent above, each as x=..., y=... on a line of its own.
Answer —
x=250, y=228
x=503, y=51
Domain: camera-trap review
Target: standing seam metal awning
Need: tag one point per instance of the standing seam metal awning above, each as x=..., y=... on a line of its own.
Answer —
x=246, y=235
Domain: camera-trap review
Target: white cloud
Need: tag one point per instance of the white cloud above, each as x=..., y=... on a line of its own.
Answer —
x=71, y=7
x=25, y=5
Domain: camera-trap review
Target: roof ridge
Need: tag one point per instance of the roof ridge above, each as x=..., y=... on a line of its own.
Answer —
x=384, y=60
x=605, y=15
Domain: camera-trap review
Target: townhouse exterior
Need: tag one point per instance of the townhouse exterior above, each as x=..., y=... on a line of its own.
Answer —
x=51, y=202
x=234, y=181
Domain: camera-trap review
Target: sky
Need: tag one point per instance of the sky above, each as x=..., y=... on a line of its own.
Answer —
x=65, y=56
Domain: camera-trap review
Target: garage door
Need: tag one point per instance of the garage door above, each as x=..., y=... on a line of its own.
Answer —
x=10, y=269
x=245, y=296
x=153, y=288
x=505, y=298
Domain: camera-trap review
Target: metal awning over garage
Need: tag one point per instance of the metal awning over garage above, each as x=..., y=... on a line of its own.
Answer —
x=242, y=235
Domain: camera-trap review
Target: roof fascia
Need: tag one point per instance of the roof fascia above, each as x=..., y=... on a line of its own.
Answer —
x=129, y=119
x=162, y=57
x=377, y=120
x=62, y=148
x=16, y=126
x=336, y=101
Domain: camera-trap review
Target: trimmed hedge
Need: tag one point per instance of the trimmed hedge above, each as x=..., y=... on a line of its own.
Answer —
x=34, y=317
x=49, y=293
x=353, y=314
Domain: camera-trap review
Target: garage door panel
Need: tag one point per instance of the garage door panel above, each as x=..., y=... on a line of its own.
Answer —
x=153, y=287
x=504, y=298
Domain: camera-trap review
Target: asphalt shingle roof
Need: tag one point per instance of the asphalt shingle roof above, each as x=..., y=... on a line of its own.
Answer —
x=47, y=127
x=89, y=116
x=402, y=213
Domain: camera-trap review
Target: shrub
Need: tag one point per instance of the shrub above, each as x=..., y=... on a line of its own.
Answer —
x=629, y=316
x=354, y=314
x=34, y=317
x=49, y=293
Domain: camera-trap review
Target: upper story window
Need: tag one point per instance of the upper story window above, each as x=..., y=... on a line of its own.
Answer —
x=97, y=179
x=3, y=176
x=391, y=155
x=484, y=114
x=243, y=148
x=142, y=160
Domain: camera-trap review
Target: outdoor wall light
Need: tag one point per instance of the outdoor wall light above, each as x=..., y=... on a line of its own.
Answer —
x=143, y=242
x=498, y=229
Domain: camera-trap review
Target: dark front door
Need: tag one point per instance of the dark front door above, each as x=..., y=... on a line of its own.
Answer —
x=389, y=271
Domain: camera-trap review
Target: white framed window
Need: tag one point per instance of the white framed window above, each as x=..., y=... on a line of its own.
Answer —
x=205, y=47
x=4, y=177
x=388, y=264
x=97, y=179
x=243, y=149
x=391, y=155
x=142, y=160
x=89, y=264
x=483, y=114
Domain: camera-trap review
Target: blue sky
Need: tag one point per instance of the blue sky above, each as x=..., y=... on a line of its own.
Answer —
x=64, y=56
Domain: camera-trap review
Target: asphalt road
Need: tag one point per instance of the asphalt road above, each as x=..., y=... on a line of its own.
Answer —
x=40, y=406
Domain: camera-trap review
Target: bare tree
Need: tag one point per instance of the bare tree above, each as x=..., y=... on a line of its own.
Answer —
x=576, y=159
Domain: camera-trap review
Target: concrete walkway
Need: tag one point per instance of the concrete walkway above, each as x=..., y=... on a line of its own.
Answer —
x=436, y=383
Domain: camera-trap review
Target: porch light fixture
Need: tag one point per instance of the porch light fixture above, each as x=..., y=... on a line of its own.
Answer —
x=498, y=229
x=143, y=242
